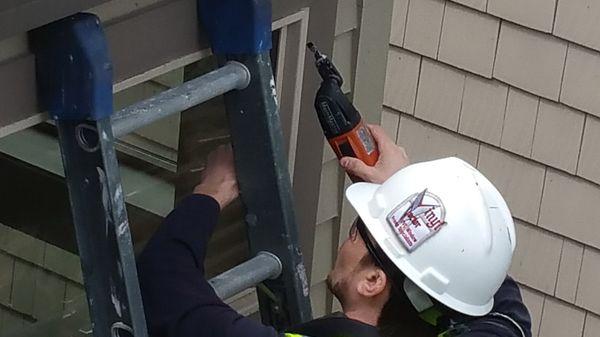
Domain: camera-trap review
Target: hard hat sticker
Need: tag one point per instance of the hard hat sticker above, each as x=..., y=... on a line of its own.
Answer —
x=417, y=218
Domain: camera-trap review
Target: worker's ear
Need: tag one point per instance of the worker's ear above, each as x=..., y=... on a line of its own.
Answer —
x=373, y=282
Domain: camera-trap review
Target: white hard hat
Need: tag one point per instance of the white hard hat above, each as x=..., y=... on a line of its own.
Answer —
x=445, y=226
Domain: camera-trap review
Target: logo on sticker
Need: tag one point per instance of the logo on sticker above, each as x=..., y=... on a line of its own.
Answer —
x=417, y=218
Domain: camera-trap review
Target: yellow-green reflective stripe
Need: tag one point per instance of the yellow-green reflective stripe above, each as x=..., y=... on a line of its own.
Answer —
x=445, y=334
x=287, y=334
x=431, y=315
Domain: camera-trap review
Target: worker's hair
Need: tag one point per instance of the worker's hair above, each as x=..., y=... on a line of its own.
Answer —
x=398, y=317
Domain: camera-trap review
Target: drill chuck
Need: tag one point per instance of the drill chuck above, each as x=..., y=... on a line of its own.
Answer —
x=325, y=67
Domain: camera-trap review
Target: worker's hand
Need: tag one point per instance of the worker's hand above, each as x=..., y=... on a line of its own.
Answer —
x=392, y=158
x=219, y=179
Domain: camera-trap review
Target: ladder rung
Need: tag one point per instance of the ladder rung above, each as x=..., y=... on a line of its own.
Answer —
x=233, y=75
x=246, y=275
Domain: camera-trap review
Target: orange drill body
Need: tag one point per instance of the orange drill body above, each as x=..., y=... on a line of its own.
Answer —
x=342, y=124
x=357, y=143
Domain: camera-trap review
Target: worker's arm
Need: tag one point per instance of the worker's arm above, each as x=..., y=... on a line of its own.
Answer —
x=509, y=316
x=392, y=158
x=178, y=300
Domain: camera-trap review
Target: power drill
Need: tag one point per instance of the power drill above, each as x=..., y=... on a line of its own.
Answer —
x=341, y=122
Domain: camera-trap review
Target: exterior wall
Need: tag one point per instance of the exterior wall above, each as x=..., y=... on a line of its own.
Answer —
x=19, y=16
x=512, y=87
x=39, y=281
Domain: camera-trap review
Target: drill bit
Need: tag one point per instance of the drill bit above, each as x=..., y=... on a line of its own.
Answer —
x=318, y=56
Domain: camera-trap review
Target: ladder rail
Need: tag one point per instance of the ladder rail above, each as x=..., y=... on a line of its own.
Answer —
x=266, y=191
x=74, y=78
x=260, y=157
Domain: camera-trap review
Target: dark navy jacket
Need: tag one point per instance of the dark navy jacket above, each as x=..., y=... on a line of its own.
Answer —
x=179, y=302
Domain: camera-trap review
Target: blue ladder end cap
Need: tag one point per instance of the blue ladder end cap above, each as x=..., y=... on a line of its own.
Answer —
x=237, y=26
x=73, y=68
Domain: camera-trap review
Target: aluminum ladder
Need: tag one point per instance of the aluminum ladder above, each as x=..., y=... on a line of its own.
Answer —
x=74, y=78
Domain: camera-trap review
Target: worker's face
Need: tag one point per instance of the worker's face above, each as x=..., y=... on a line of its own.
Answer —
x=342, y=280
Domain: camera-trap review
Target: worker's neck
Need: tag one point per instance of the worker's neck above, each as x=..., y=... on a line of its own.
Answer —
x=366, y=314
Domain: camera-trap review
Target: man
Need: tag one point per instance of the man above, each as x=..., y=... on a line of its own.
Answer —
x=427, y=256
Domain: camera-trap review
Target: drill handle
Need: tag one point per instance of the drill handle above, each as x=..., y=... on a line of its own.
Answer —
x=335, y=111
